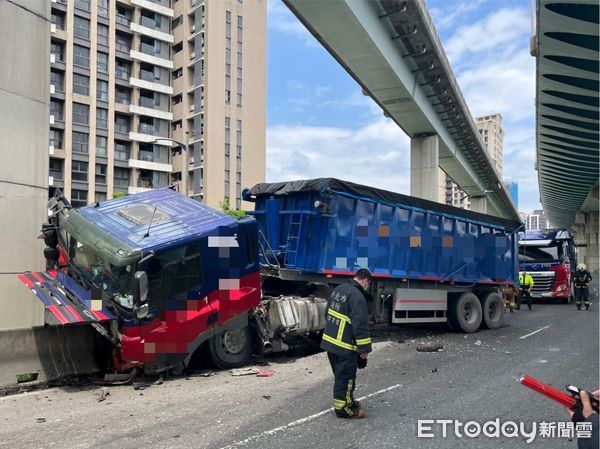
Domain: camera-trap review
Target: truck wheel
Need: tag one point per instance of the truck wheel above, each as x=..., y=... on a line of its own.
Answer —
x=493, y=311
x=230, y=348
x=464, y=314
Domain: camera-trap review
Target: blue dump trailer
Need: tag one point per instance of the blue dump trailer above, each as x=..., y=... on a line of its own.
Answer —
x=431, y=262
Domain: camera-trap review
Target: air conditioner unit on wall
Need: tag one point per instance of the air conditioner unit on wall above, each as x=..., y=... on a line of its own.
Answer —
x=192, y=107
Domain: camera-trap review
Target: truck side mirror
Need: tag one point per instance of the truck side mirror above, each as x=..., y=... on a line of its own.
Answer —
x=140, y=293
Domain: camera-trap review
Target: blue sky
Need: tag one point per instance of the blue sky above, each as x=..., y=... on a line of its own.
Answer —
x=320, y=124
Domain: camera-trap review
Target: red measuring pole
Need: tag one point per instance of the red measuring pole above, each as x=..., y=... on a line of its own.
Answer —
x=548, y=391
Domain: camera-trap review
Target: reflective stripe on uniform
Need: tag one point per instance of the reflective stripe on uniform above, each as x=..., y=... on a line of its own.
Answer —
x=340, y=333
x=338, y=404
x=364, y=341
x=339, y=315
x=339, y=343
x=347, y=407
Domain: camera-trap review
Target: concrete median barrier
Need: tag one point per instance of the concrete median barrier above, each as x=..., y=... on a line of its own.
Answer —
x=43, y=354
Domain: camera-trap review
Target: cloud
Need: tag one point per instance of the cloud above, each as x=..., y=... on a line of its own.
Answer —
x=446, y=16
x=498, y=29
x=496, y=74
x=377, y=154
x=280, y=19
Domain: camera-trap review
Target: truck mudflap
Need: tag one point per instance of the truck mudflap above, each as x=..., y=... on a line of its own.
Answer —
x=62, y=307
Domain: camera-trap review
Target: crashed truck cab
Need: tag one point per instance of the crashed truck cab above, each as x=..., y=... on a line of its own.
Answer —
x=156, y=273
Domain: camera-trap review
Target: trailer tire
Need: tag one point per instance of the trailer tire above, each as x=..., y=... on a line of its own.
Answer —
x=493, y=311
x=465, y=314
x=230, y=348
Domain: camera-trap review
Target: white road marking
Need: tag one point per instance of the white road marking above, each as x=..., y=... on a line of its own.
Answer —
x=534, y=332
x=299, y=421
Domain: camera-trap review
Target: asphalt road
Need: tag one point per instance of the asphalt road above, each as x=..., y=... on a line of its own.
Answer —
x=473, y=378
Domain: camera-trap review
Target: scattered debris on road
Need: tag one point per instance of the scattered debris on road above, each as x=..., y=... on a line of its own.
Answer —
x=103, y=393
x=40, y=420
x=267, y=397
x=429, y=347
x=244, y=371
x=264, y=374
x=477, y=343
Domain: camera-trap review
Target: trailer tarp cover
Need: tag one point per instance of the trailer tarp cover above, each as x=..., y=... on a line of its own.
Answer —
x=373, y=194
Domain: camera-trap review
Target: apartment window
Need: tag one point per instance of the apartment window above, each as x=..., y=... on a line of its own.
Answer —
x=79, y=171
x=239, y=58
x=84, y=5
x=56, y=169
x=78, y=198
x=56, y=109
x=102, y=34
x=58, y=50
x=103, y=8
x=177, y=74
x=80, y=142
x=101, y=146
x=81, y=84
x=227, y=23
x=100, y=196
x=102, y=90
x=56, y=138
x=81, y=113
x=122, y=124
x=81, y=56
x=82, y=27
x=157, y=47
x=122, y=95
x=177, y=21
x=227, y=89
x=240, y=23
x=121, y=177
x=100, y=174
x=102, y=118
x=123, y=43
x=102, y=64
x=122, y=70
x=238, y=139
x=57, y=79
x=123, y=16
x=58, y=19
x=239, y=91
x=122, y=151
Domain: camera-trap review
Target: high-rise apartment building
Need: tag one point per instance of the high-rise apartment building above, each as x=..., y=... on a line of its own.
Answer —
x=132, y=80
x=492, y=135
x=490, y=129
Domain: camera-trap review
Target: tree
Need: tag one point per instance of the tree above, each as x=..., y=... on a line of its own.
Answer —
x=118, y=195
x=238, y=214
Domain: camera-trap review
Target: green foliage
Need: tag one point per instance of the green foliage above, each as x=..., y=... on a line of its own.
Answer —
x=118, y=195
x=238, y=214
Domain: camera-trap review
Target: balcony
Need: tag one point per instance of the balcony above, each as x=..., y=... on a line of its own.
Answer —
x=147, y=76
x=150, y=31
x=163, y=10
x=151, y=112
x=124, y=48
x=150, y=58
x=150, y=165
x=122, y=74
x=156, y=87
x=147, y=102
x=123, y=20
x=123, y=129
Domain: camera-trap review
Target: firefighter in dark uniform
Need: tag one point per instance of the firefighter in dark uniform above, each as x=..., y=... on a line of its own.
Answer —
x=525, y=286
x=347, y=341
x=582, y=279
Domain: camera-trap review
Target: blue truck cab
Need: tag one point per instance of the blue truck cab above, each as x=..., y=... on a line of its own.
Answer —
x=160, y=272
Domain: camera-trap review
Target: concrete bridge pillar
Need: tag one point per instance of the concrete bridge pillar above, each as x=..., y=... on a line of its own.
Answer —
x=479, y=204
x=424, y=167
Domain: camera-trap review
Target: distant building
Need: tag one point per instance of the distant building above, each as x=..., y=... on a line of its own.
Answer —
x=492, y=135
x=542, y=221
x=127, y=76
x=535, y=220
